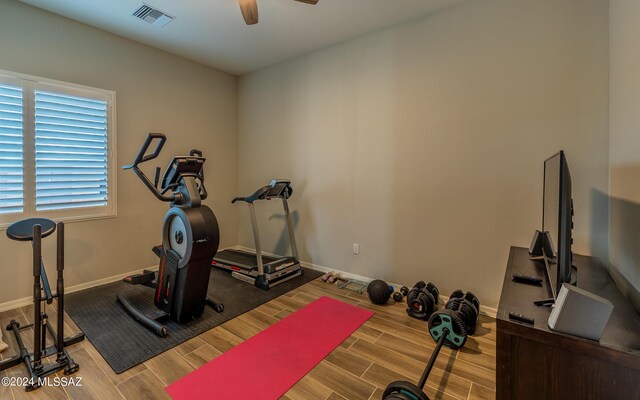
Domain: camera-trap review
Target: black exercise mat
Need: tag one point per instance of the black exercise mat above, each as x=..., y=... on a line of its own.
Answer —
x=124, y=343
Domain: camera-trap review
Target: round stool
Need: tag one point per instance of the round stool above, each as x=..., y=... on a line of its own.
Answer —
x=23, y=230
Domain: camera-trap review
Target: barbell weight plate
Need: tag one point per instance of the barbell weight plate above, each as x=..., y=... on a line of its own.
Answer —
x=398, y=396
x=457, y=335
x=403, y=390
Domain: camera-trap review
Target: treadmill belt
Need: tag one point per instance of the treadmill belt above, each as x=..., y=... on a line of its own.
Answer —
x=237, y=257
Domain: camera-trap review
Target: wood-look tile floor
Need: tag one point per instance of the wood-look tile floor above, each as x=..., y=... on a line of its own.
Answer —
x=390, y=346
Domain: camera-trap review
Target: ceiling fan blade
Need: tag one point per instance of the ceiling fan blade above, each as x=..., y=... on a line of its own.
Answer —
x=249, y=9
x=312, y=2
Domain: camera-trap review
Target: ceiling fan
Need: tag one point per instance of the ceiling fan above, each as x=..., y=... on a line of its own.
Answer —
x=249, y=10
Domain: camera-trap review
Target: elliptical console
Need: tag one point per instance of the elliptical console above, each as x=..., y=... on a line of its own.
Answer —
x=190, y=239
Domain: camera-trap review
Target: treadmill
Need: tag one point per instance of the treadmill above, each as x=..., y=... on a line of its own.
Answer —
x=257, y=269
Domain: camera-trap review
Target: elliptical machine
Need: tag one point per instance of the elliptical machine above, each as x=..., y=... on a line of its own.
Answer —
x=190, y=239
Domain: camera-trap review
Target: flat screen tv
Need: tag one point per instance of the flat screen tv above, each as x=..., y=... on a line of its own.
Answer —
x=557, y=221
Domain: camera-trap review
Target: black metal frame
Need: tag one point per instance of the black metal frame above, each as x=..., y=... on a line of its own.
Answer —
x=33, y=362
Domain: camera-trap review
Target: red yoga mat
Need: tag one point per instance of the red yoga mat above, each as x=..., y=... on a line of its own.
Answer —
x=268, y=364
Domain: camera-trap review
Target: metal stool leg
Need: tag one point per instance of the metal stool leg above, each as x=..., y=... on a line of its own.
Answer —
x=37, y=297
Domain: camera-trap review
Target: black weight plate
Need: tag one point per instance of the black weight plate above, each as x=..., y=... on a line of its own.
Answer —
x=431, y=288
x=473, y=299
x=453, y=303
x=402, y=390
x=397, y=396
x=457, y=336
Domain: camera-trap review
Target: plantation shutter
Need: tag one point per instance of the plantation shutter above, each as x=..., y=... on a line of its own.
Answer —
x=11, y=165
x=70, y=151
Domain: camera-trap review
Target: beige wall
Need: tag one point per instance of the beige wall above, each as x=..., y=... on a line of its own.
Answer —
x=196, y=106
x=625, y=146
x=424, y=142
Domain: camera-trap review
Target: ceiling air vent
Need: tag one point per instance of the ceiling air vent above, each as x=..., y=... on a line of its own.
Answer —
x=152, y=15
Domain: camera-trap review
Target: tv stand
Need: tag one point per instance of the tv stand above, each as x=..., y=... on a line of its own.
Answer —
x=534, y=362
x=550, y=301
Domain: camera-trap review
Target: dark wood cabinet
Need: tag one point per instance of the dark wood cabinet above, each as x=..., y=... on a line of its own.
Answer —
x=534, y=362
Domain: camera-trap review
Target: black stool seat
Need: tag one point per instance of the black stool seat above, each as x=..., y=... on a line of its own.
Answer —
x=23, y=230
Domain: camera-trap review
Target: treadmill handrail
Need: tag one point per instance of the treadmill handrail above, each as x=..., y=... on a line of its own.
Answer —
x=261, y=193
x=257, y=195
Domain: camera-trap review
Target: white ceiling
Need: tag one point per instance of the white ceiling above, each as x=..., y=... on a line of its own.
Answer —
x=213, y=32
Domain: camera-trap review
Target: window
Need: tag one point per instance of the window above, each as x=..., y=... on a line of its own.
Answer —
x=57, y=149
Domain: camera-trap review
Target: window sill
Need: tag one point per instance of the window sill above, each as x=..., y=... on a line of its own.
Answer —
x=67, y=219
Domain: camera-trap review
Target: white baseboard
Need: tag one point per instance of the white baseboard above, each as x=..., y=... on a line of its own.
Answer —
x=10, y=305
x=488, y=311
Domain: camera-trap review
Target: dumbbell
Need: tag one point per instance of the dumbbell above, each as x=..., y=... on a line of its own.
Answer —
x=399, y=296
x=422, y=300
x=467, y=307
x=448, y=327
x=459, y=316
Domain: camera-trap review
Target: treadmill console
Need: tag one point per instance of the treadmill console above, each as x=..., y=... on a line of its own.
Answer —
x=279, y=189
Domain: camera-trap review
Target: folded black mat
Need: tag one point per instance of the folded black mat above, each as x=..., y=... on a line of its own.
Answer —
x=124, y=343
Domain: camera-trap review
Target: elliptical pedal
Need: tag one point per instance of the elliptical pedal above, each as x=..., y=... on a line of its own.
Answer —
x=146, y=278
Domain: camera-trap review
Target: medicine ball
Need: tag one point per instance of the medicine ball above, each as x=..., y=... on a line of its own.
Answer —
x=379, y=291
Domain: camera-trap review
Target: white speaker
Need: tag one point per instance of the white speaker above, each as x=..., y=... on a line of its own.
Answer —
x=579, y=312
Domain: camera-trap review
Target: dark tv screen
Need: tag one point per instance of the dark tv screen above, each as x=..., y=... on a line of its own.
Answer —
x=557, y=220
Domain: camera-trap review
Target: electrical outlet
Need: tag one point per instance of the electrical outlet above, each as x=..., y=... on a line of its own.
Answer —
x=356, y=248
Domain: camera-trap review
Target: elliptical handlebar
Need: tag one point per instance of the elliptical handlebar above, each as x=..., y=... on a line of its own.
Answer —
x=142, y=158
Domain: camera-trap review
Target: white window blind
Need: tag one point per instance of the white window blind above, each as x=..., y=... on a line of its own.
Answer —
x=71, y=151
x=57, y=150
x=11, y=160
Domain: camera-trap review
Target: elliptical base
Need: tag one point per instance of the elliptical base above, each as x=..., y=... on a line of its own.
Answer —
x=139, y=316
